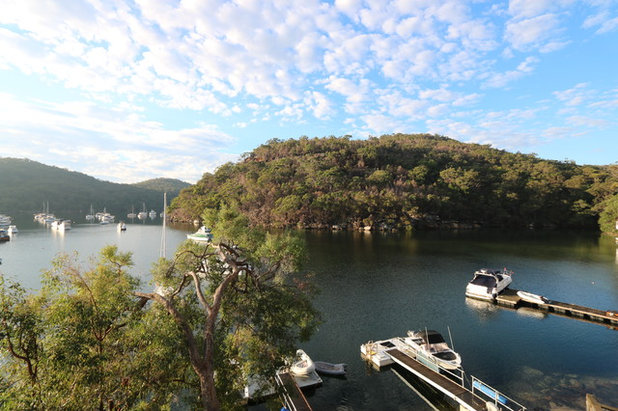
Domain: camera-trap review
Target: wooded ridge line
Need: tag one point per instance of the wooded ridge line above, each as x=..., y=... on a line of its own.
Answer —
x=403, y=181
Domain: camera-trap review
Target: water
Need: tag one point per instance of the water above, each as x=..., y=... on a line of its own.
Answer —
x=377, y=286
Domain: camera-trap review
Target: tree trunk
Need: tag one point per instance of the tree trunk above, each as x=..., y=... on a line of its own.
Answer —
x=210, y=402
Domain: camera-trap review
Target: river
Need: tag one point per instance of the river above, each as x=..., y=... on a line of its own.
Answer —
x=375, y=286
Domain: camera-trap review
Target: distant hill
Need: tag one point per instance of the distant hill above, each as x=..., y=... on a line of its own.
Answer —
x=26, y=185
x=171, y=186
x=402, y=181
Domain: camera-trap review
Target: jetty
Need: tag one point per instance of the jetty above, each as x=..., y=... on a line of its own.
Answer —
x=478, y=396
x=292, y=396
x=510, y=299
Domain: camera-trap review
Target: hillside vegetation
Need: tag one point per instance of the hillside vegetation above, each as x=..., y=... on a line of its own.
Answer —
x=25, y=186
x=401, y=181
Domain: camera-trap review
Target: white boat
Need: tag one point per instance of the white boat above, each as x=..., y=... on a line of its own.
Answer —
x=132, y=213
x=303, y=364
x=152, y=214
x=487, y=284
x=12, y=229
x=61, y=225
x=90, y=217
x=432, y=346
x=4, y=235
x=202, y=235
x=328, y=368
x=532, y=298
x=142, y=214
x=122, y=226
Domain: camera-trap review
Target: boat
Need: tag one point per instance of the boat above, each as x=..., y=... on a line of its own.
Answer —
x=90, y=217
x=152, y=214
x=132, y=214
x=202, y=235
x=142, y=214
x=303, y=364
x=487, y=284
x=61, y=225
x=4, y=235
x=532, y=298
x=328, y=368
x=12, y=229
x=122, y=226
x=431, y=345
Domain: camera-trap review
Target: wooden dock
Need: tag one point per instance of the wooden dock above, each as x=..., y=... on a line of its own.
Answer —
x=509, y=298
x=462, y=395
x=293, y=397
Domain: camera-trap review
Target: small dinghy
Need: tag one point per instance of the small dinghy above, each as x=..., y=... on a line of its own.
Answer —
x=329, y=368
x=303, y=364
x=532, y=298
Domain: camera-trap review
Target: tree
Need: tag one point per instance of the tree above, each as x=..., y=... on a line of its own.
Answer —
x=75, y=342
x=609, y=215
x=234, y=303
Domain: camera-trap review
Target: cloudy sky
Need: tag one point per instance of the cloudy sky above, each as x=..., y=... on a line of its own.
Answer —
x=130, y=90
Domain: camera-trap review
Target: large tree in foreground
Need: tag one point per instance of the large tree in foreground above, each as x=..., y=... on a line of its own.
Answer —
x=238, y=309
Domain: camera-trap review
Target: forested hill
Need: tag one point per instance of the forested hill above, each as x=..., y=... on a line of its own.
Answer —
x=26, y=185
x=401, y=181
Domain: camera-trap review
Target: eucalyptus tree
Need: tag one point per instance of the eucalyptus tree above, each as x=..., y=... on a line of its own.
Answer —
x=236, y=304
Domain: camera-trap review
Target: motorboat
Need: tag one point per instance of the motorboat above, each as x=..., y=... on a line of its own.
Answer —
x=431, y=345
x=202, y=235
x=4, y=235
x=152, y=214
x=122, y=226
x=303, y=365
x=12, y=229
x=328, y=368
x=532, y=298
x=61, y=225
x=487, y=284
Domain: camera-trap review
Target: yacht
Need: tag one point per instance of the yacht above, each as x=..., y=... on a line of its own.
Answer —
x=61, y=225
x=202, y=235
x=487, y=284
x=432, y=346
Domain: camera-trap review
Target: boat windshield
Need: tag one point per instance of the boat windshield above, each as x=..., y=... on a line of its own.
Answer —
x=433, y=337
x=488, y=281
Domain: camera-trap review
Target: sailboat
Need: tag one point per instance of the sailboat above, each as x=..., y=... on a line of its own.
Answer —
x=142, y=214
x=90, y=217
x=132, y=213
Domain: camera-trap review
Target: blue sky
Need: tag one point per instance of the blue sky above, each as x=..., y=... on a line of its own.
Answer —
x=130, y=90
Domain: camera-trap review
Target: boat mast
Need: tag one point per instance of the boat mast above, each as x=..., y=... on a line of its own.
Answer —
x=162, y=247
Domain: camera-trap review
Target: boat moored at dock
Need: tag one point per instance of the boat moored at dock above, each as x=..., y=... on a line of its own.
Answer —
x=532, y=298
x=487, y=284
x=203, y=235
x=432, y=346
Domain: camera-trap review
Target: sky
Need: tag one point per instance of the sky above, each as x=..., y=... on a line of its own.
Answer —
x=130, y=90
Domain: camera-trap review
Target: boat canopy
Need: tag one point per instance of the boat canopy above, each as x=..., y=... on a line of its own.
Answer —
x=488, y=281
x=431, y=336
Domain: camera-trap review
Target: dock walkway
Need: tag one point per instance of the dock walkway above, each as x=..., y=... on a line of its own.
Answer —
x=462, y=395
x=293, y=397
x=509, y=298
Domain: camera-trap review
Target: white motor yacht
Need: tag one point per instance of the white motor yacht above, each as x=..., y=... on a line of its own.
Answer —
x=432, y=346
x=487, y=284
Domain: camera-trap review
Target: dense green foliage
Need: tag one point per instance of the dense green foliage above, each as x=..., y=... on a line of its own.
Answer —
x=95, y=340
x=25, y=186
x=170, y=186
x=401, y=181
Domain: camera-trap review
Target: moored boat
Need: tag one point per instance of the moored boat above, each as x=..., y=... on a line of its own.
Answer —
x=122, y=226
x=303, y=364
x=202, y=235
x=4, y=235
x=12, y=229
x=532, y=298
x=487, y=284
x=329, y=368
x=432, y=346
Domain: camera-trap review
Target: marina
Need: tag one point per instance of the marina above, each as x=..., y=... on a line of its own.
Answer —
x=451, y=382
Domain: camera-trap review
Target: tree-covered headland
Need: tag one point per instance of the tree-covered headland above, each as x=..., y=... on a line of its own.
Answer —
x=215, y=314
x=402, y=181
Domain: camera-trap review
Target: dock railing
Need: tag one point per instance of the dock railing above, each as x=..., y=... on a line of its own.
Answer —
x=500, y=401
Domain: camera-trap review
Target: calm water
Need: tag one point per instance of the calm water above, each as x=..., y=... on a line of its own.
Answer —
x=376, y=286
